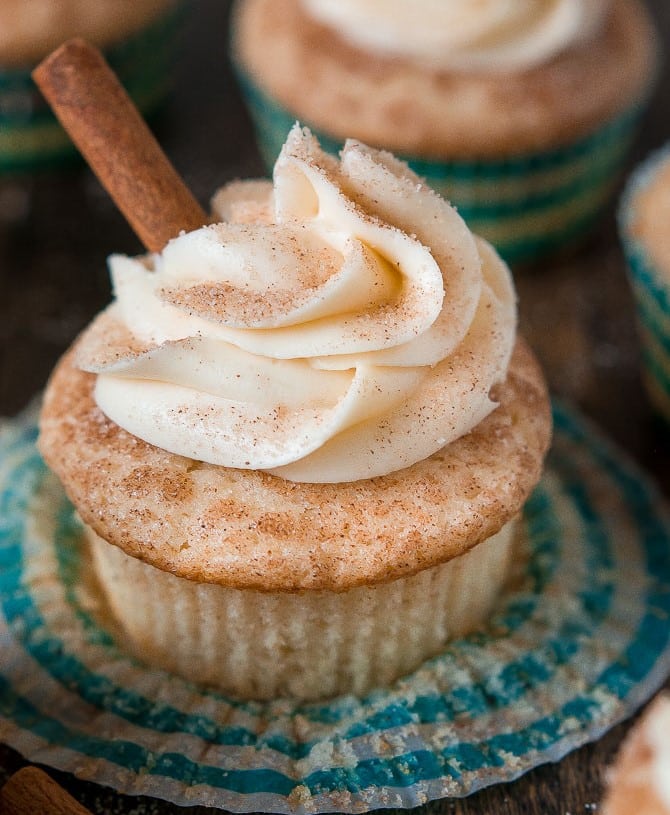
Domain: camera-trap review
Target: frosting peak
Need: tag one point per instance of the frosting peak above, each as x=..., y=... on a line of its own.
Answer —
x=467, y=35
x=339, y=323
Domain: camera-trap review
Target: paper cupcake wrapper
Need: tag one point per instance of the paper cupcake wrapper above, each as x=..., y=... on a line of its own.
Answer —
x=529, y=206
x=579, y=640
x=30, y=136
x=651, y=292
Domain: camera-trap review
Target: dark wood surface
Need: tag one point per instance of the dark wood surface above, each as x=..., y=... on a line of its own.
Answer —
x=57, y=230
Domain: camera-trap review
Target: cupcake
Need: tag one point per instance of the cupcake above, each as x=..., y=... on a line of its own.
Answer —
x=138, y=38
x=299, y=437
x=519, y=114
x=644, y=215
x=639, y=782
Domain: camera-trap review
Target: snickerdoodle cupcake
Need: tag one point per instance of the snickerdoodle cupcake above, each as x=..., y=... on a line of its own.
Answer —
x=519, y=114
x=644, y=217
x=137, y=36
x=299, y=437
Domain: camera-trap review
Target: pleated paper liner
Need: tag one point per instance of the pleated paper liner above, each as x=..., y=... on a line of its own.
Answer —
x=530, y=207
x=579, y=640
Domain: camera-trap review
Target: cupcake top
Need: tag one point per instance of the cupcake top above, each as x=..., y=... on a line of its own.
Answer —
x=338, y=324
x=471, y=35
x=646, y=211
x=29, y=29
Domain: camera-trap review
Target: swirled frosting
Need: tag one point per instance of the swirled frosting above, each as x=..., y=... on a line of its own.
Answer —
x=338, y=323
x=468, y=35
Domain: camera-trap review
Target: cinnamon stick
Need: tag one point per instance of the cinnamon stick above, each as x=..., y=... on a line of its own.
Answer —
x=109, y=131
x=31, y=791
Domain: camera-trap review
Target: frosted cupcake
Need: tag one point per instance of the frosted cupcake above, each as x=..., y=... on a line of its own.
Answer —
x=520, y=114
x=644, y=215
x=299, y=437
x=138, y=37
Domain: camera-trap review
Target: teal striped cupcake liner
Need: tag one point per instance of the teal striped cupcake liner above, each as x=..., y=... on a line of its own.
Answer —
x=651, y=291
x=30, y=136
x=578, y=641
x=529, y=206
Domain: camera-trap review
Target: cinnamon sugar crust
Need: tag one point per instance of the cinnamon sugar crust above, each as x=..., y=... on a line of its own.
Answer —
x=248, y=529
x=401, y=106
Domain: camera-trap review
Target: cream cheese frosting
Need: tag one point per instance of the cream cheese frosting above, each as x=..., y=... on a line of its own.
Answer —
x=467, y=35
x=338, y=323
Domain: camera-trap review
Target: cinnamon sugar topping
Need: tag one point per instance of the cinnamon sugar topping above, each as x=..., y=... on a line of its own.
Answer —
x=342, y=324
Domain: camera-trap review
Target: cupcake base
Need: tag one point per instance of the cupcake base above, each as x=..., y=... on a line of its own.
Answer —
x=307, y=645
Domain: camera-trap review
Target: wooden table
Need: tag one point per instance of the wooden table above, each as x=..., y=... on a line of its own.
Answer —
x=57, y=230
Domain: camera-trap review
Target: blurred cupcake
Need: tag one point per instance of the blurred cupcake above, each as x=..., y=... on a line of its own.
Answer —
x=520, y=114
x=644, y=219
x=138, y=38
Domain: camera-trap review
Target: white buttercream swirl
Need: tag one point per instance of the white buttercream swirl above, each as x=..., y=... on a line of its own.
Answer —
x=340, y=324
x=465, y=35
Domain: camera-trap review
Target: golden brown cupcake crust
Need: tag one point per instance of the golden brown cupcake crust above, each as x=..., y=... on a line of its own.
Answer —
x=405, y=108
x=249, y=529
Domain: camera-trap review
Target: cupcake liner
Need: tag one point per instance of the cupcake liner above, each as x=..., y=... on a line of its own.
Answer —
x=30, y=136
x=651, y=291
x=529, y=206
x=307, y=645
x=579, y=639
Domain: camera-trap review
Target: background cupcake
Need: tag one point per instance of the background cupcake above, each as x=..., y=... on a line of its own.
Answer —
x=521, y=118
x=138, y=37
x=644, y=219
